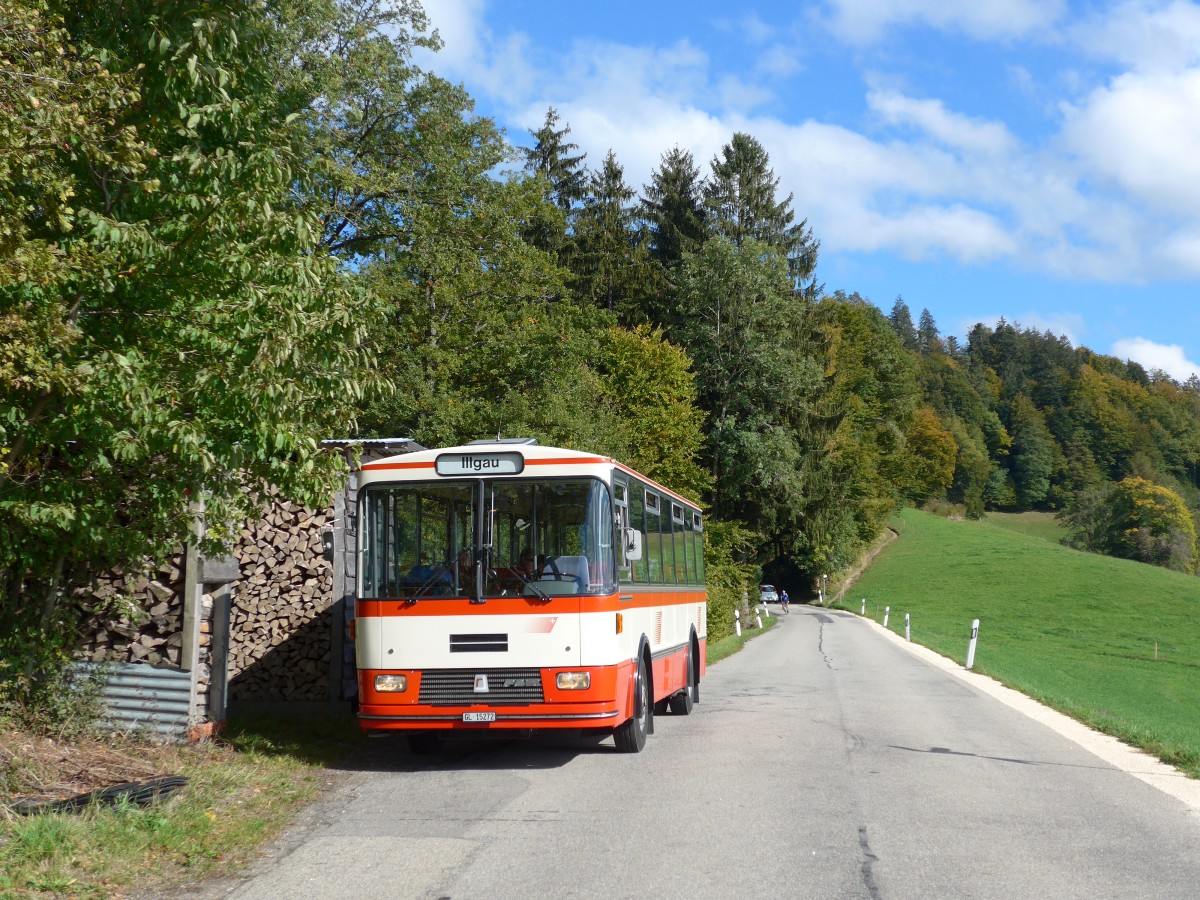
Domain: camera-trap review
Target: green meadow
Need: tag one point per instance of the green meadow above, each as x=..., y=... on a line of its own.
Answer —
x=1113, y=643
x=1034, y=524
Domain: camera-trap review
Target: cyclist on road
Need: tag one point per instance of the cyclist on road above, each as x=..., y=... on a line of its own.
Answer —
x=783, y=599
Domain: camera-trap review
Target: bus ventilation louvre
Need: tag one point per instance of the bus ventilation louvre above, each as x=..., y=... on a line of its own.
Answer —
x=479, y=643
x=456, y=687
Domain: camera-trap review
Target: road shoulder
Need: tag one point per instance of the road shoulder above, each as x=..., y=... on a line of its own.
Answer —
x=1135, y=762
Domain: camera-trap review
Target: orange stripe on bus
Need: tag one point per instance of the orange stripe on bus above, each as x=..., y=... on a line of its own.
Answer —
x=534, y=607
x=569, y=461
x=399, y=465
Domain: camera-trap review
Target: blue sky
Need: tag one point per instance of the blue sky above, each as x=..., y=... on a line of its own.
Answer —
x=1032, y=159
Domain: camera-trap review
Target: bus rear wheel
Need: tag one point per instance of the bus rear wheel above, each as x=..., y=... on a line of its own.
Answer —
x=630, y=736
x=683, y=701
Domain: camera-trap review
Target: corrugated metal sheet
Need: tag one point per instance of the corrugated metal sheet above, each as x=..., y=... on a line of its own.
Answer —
x=141, y=697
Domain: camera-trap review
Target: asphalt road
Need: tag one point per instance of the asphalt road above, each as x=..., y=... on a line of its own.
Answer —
x=824, y=761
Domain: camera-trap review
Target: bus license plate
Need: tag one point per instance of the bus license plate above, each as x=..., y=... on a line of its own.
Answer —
x=479, y=717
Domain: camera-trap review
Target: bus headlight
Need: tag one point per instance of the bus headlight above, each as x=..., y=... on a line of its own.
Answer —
x=391, y=684
x=574, y=681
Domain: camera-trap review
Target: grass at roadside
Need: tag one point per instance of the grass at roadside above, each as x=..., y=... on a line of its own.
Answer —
x=1111, y=642
x=731, y=644
x=240, y=792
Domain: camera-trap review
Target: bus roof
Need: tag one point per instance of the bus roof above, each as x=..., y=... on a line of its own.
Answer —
x=557, y=461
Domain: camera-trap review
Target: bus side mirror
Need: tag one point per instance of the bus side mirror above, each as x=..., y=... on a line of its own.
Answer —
x=633, y=544
x=327, y=545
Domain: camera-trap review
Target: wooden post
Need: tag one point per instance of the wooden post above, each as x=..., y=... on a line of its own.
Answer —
x=189, y=651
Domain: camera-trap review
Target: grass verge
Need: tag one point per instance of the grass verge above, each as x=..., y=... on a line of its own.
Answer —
x=241, y=791
x=732, y=643
x=1113, y=643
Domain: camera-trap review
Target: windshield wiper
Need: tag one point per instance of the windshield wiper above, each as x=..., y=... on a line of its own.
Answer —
x=531, y=582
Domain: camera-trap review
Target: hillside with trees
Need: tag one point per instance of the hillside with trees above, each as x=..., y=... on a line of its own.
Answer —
x=1039, y=424
x=232, y=231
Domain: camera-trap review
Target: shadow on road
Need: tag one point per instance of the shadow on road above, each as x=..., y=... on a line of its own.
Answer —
x=391, y=753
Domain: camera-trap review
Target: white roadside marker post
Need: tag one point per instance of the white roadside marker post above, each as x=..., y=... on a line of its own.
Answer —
x=907, y=628
x=864, y=608
x=737, y=621
x=887, y=611
x=758, y=619
x=971, y=646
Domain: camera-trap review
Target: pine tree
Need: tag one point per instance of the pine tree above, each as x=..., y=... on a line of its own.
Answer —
x=551, y=157
x=609, y=249
x=928, y=339
x=902, y=324
x=673, y=208
x=565, y=184
x=740, y=199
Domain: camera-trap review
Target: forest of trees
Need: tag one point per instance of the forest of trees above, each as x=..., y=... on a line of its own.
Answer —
x=231, y=230
x=1038, y=424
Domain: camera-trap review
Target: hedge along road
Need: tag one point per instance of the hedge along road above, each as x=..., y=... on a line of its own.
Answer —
x=825, y=760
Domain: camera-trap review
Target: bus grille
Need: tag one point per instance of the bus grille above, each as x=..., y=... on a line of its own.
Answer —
x=456, y=687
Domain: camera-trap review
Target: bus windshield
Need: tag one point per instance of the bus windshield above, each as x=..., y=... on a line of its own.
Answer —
x=487, y=538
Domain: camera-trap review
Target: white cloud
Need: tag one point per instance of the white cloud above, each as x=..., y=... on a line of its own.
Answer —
x=952, y=129
x=779, y=61
x=755, y=29
x=1115, y=197
x=870, y=195
x=866, y=21
x=1170, y=358
x=1180, y=252
x=459, y=23
x=502, y=65
x=1141, y=133
x=1144, y=34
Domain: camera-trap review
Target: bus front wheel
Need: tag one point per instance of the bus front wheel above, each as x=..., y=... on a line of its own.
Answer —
x=630, y=736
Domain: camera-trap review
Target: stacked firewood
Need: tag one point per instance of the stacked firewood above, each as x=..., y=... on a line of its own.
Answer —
x=281, y=620
x=135, y=618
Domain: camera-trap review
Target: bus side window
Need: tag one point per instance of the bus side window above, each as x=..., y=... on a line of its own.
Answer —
x=654, y=548
x=637, y=521
x=668, y=543
x=678, y=543
x=621, y=505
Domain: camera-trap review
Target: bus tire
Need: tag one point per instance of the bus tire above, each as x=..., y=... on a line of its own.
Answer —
x=630, y=735
x=683, y=701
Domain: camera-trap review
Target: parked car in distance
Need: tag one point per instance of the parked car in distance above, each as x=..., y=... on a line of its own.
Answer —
x=767, y=594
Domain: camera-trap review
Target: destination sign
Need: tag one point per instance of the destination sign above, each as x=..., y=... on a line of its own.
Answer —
x=480, y=464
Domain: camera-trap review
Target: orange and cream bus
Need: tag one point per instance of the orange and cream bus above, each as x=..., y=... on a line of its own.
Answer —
x=507, y=585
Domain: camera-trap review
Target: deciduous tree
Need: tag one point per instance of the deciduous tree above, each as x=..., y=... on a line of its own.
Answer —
x=197, y=342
